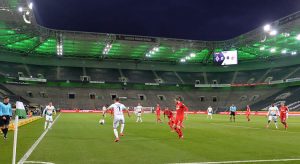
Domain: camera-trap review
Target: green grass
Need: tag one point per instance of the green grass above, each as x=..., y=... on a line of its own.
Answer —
x=78, y=138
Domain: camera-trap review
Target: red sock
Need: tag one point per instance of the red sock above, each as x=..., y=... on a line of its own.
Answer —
x=179, y=132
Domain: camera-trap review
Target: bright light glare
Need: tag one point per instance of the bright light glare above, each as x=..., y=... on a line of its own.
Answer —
x=192, y=55
x=298, y=37
x=273, y=50
x=20, y=9
x=273, y=32
x=284, y=51
x=267, y=28
x=30, y=5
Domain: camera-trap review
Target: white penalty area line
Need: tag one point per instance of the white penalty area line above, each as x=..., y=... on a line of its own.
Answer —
x=246, y=161
x=28, y=153
x=39, y=162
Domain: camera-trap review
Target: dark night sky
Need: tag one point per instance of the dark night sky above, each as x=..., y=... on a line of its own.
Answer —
x=186, y=19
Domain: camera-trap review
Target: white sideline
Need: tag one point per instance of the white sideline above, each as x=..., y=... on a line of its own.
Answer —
x=246, y=161
x=28, y=153
x=39, y=162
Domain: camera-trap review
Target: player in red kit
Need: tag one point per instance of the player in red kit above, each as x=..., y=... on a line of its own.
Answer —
x=283, y=114
x=248, y=112
x=157, y=112
x=169, y=114
x=180, y=109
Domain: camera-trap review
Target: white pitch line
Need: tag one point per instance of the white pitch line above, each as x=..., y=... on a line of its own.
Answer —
x=28, y=153
x=246, y=161
x=40, y=162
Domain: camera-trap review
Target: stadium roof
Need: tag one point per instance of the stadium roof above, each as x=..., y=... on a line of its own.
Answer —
x=20, y=33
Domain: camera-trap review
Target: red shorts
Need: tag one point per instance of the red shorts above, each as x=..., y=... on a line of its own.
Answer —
x=283, y=118
x=178, y=120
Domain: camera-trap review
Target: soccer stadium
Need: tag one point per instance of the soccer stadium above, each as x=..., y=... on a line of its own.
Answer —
x=81, y=97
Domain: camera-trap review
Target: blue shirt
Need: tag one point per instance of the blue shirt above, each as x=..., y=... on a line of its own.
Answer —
x=232, y=109
x=5, y=109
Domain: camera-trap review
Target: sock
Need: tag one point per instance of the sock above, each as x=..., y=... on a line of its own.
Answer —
x=45, y=125
x=141, y=119
x=122, y=128
x=276, y=125
x=50, y=124
x=5, y=132
x=116, y=133
x=179, y=132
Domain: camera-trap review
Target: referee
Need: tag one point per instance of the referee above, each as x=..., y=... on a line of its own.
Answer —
x=232, y=110
x=5, y=115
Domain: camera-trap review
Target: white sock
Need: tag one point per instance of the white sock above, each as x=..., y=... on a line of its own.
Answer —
x=122, y=128
x=116, y=133
x=276, y=125
x=45, y=125
x=50, y=124
x=141, y=119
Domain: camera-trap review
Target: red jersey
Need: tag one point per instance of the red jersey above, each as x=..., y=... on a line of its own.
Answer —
x=283, y=110
x=168, y=113
x=157, y=110
x=180, y=109
x=248, y=110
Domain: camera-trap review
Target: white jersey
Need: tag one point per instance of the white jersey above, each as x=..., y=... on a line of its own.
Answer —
x=138, y=109
x=209, y=110
x=117, y=108
x=273, y=111
x=103, y=109
x=49, y=110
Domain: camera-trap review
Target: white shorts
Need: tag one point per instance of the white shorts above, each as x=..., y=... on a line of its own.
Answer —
x=49, y=118
x=274, y=118
x=118, y=120
x=139, y=114
x=209, y=114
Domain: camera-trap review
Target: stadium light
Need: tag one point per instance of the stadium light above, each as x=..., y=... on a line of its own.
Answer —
x=182, y=60
x=262, y=48
x=187, y=58
x=273, y=50
x=273, y=32
x=20, y=9
x=286, y=34
x=192, y=55
x=267, y=28
x=298, y=37
x=294, y=53
x=156, y=49
x=284, y=51
x=30, y=6
x=107, y=48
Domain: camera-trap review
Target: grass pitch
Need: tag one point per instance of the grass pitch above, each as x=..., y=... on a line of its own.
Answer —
x=79, y=139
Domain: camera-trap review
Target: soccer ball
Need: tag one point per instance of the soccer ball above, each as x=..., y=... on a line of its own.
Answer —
x=101, y=121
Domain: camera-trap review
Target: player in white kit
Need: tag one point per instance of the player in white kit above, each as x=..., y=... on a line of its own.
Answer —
x=139, y=110
x=104, y=109
x=48, y=112
x=272, y=115
x=209, y=112
x=118, y=108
